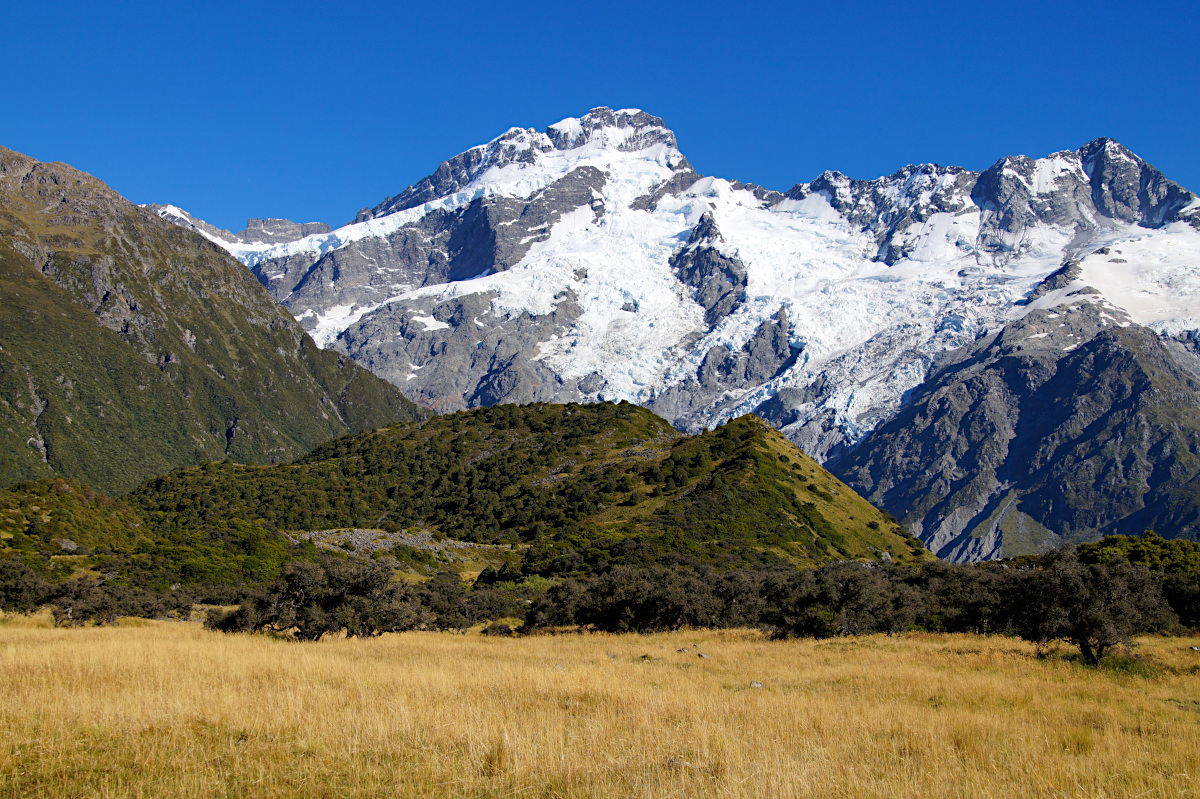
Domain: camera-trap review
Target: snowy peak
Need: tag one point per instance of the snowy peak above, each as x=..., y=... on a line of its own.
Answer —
x=1100, y=183
x=599, y=130
x=1098, y=187
x=590, y=261
x=888, y=205
x=705, y=232
x=183, y=219
x=605, y=266
x=1017, y=205
x=919, y=189
x=1018, y=194
x=629, y=130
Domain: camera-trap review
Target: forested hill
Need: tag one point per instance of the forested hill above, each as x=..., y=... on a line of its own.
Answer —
x=129, y=346
x=581, y=484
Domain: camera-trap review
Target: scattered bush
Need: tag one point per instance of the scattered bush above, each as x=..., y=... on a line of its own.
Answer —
x=359, y=598
x=1093, y=606
x=88, y=600
x=21, y=588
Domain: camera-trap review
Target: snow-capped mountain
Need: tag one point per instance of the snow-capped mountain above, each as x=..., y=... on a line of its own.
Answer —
x=257, y=232
x=590, y=261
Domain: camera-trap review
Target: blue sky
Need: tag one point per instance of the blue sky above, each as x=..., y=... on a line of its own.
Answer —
x=311, y=111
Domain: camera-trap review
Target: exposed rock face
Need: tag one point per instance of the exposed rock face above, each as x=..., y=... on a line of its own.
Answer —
x=477, y=358
x=443, y=246
x=723, y=373
x=129, y=346
x=1069, y=424
x=278, y=231
x=258, y=231
x=591, y=261
x=719, y=280
x=682, y=178
x=1125, y=187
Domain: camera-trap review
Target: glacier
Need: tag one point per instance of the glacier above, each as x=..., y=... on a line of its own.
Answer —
x=563, y=247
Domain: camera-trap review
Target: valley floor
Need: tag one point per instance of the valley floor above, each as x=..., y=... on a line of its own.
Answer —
x=170, y=710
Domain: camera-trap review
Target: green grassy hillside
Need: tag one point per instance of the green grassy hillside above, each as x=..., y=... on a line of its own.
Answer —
x=580, y=485
x=129, y=346
x=555, y=489
x=64, y=529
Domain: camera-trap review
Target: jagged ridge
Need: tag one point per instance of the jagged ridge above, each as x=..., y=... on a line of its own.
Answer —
x=591, y=261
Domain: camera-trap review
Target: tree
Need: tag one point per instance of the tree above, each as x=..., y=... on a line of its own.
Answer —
x=1175, y=562
x=21, y=588
x=79, y=601
x=75, y=602
x=312, y=599
x=962, y=598
x=1095, y=606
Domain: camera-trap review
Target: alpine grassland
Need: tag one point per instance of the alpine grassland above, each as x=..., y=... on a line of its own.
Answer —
x=169, y=709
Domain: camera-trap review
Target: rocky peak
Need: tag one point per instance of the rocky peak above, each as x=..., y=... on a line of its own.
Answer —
x=832, y=185
x=180, y=217
x=705, y=231
x=1071, y=190
x=1017, y=193
x=67, y=195
x=516, y=145
x=627, y=130
x=888, y=205
x=1126, y=188
x=1093, y=187
x=718, y=280
x=277, y=231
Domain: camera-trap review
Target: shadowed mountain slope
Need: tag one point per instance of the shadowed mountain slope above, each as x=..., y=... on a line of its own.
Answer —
x=1068, y=425
x=129, y=346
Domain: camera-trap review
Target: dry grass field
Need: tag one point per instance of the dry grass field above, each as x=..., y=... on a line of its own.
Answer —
x=159, y=709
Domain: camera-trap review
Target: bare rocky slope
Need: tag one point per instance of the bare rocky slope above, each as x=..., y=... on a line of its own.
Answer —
x=1067, y=425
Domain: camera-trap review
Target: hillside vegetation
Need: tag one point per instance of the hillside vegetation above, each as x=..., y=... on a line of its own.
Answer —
x=63, y=529
x=580, y=485
x=527, y=491
x=129, y=346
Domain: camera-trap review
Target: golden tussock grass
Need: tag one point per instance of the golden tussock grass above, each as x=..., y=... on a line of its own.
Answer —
x=161, y=709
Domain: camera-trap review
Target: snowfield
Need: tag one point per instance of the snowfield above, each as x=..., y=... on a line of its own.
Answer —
x=866, y=332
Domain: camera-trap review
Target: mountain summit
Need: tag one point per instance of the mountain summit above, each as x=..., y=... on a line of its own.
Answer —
x=598, y=131
x=590, y=261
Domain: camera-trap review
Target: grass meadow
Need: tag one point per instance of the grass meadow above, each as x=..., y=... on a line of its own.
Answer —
x=167, y=709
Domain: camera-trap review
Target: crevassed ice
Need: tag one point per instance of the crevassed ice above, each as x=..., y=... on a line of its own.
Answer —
x=872, y=328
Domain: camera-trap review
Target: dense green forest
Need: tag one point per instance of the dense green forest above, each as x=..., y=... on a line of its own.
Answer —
x=598, y=517
x=567, y=486
x=554, y=489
